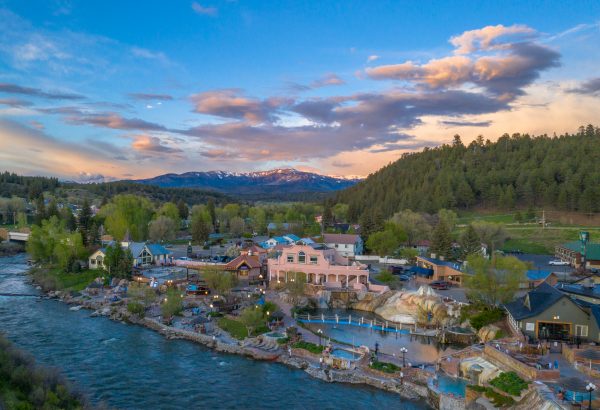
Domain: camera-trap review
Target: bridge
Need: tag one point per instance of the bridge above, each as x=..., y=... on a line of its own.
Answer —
x=373, y=324
x=18, y=237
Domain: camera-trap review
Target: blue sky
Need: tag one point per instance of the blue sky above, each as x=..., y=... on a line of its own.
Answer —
x=113, y=89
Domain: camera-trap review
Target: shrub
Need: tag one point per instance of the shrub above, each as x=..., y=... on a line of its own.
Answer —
x=510, y=383
x=486, y=317
x=384, y=367
x=283, y=340
x=136, y=308
x=215, y=314
x=311, y=347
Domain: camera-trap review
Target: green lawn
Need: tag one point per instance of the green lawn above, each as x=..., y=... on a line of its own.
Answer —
x=535, y=239
x=77, y=281
x=236, y=328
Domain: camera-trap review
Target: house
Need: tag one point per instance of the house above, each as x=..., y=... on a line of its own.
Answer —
x=547, y=313
x=273, y=242
x=535, y=277
x=143, y=254
x=321, y=265
x=96, y=259
x=572, y=252
x=291, y=238
x=422, y=247
x=348, y=245
x=306, y=241
x=247, y=266
x=432, y=269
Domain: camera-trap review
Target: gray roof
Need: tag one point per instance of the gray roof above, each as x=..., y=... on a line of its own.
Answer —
x=534, y=302
x=580, y=289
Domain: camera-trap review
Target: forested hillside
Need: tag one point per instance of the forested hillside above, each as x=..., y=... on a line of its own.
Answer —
x=560, y=172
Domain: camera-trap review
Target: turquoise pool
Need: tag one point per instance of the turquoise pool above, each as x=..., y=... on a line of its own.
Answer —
x=345, y=354
x=451, y=385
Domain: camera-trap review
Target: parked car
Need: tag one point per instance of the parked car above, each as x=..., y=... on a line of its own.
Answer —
x=558, y=262
x=184, y=258
x=440, y=285
x=404, y=278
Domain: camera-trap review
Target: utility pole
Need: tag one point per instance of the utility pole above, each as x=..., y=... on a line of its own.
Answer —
x=543, y=219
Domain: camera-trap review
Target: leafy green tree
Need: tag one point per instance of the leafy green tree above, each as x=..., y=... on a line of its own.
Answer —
x=219, y=281
x=449, y=217
x=128, y=213
x=201, y=225
x=210, y=206
x=495, y=280
x=386, y=242
x=491, y=234
x=236, y=226
x=295, y=286
x=162, y=228
x=409, y=253
x=258, y=218
x=43, y=239
x=413, y=224
x=172, y=304
x=52, y=209
x=470, y=242
x=68, y=249
x=441, y=244
x=252, y=318
x=170, y=210
x=67, y=216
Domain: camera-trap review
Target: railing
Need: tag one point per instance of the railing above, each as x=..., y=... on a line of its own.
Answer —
x=359, y=321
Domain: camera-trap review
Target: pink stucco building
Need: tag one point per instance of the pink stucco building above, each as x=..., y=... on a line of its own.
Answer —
x=322, y=266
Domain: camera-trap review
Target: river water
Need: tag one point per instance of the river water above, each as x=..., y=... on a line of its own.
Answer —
x=131, y=367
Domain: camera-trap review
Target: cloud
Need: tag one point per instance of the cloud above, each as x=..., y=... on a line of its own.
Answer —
x=204, y=10
x=232, y=104
x=15, y=102
x=589, y=87
x=36, y=124
x=372, y=58
x=466, y=123
x=151, y=145
x=490, y=37
x=218, y=154
x=327, y=80
x=150, y=97
x=36, y=92
x=149, y=54
x=504, y=73
x=341, y=164
x=114, y=121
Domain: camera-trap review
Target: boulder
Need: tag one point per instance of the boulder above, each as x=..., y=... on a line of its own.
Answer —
x=487, y=333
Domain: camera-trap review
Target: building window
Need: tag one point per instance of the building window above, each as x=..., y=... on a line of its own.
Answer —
x=301, y=257
x=290, y=258
x=313, y=259
x=581, y=330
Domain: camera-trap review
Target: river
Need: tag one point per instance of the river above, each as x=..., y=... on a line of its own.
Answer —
x=131, y=367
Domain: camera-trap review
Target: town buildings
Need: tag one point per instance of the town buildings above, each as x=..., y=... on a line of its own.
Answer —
x=348, y=245
x=249, y=265
x=573, y=252
x=322, y=266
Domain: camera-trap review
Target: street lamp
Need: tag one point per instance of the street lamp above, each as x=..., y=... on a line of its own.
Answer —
x=319, y=332
x=403, y=350
x=590, y=388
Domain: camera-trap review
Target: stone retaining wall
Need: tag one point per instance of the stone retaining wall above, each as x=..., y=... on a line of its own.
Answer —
x=530, y=373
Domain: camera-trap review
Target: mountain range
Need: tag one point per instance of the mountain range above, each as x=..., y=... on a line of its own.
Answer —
x=273, y=184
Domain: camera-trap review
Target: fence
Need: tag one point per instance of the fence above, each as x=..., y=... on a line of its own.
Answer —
x=373, y=324
x=379, y=259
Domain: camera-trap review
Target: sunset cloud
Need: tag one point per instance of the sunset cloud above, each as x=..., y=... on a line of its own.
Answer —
x=589, y=87
x=490, y=38
x=232, y=104
x=36, y=92
x=114, y=121
x=151, y=144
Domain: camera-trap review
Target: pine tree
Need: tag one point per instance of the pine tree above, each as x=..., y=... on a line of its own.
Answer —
x=40, y=210
x=84, y=221
x=327, y=214
x=183, y=209
x=470, y=242
x=441, y=244
x=210, y=205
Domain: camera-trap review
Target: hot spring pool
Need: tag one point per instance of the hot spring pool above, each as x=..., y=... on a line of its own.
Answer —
x=345, y=354
x=451, y=385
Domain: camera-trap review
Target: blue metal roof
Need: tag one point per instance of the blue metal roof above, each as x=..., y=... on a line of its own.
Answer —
x=453, y=265
x=536, y=274
x=292, y=237
x=156, y=249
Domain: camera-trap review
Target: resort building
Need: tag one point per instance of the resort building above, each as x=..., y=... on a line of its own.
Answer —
x=247, y=266
x=547, y=313
x=431, y=269
x=348, y=245
x=322, y=266
x=143, y=254
x=572, y=252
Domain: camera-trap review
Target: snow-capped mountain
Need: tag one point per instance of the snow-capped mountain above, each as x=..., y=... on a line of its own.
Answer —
x=253, y=183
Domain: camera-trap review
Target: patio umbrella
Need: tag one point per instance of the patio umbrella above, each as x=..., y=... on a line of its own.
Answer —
x=574, y=384
x=590, y=354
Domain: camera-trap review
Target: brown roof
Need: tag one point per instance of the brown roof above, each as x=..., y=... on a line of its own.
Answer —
x=348, y=239
x=251, y=261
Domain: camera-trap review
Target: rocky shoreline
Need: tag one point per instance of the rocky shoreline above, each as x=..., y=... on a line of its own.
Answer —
x=407, y=389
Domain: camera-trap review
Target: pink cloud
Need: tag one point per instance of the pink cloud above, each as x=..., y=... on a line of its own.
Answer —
x=489, y=37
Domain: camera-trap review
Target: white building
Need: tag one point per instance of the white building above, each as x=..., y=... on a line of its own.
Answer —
x=347, y=245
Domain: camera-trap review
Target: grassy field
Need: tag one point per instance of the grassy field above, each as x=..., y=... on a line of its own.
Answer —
x=56, y=279
x=236, y=328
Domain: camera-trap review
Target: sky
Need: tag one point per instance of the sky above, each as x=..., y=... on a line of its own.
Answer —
x=104, y=90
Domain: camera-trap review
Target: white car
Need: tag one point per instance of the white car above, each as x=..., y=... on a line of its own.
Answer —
x=184, y=258
x=558, y=262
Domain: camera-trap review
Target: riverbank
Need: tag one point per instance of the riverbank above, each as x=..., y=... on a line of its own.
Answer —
x=415, y=390
x=25, y=385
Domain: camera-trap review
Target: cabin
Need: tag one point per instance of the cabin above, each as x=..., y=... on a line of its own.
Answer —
x=432, y=269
